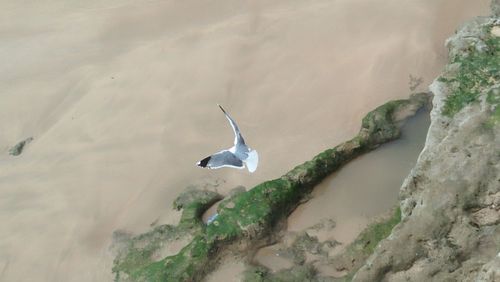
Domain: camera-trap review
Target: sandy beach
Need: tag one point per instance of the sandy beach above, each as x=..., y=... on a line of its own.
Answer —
x=121, y=99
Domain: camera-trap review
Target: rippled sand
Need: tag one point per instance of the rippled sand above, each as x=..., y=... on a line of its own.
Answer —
x=121, y=97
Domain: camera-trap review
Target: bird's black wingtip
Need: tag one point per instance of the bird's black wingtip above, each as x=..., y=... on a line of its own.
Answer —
x=221, y=108
x=204, y=162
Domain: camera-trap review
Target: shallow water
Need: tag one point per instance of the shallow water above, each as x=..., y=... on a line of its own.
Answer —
x=366, y=187
x=121, y=97
x=363, y=189
x=270, y=257
x=210, y=212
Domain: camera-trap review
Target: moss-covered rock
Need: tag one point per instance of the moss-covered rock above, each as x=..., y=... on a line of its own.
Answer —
x=194, y=203
x=250, y=216
x=355, y=255
x=138, y=259
x=474, y=68
x=138, y=252
x=373, y=234
x=303, y=273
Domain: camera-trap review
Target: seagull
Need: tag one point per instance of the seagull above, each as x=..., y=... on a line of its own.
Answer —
x=238, y=156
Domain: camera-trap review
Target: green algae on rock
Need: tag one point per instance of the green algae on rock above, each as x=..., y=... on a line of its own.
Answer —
x=474, y=67
x=250, y=217
x=374, y=233
x=356, y=253
x=138, y=252
x=193, y=203
x=299, y=273
x=136, y=260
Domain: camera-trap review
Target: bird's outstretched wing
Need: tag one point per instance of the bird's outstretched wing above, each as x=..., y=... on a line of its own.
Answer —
x=238, y=138
x=223, y=158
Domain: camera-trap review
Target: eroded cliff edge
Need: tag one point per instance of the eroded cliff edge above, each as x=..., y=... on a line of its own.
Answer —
x=450, y=202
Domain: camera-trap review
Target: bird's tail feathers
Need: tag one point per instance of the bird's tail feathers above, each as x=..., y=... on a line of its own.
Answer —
x=252, y=161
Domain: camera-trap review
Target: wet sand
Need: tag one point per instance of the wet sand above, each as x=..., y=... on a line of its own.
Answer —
x=230, y=270
x=270, y=257
x=121, y=97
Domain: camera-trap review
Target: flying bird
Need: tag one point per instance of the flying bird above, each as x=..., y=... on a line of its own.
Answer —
x=238, y=156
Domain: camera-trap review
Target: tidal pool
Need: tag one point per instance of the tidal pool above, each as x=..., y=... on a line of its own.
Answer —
x=362, y=190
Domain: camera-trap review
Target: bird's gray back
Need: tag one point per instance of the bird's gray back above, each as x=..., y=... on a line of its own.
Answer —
x=241, y=151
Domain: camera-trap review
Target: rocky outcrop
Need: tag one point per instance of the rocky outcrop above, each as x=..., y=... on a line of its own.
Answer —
x=450, y=202
x=19, y=147
x=136, y=253
x=245, y=220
